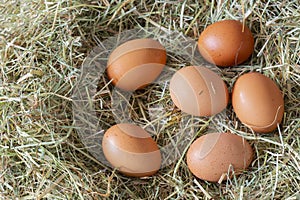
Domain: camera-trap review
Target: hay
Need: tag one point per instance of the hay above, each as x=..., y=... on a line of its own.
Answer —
x=43, y=45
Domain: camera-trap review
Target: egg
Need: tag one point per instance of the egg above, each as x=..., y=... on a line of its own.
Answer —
x=258, y=102
x=198, y=91
x=226, y=43
x=211, y=156
x=131, y=150
x=136, y=63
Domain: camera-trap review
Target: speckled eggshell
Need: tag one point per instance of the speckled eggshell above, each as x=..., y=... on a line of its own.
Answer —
x=210, y=156
x=258, y=102
x=136, y=63
x=198, y=91
x=131, y=150
x=226, y=43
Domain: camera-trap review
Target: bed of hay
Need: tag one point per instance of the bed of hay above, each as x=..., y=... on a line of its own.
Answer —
x=42, y=47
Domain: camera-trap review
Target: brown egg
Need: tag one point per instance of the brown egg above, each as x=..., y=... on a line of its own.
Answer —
x=136, y=63
x=226, y=43
x=131, y=150
x=258, y=102
x=198, y=91
x=210, y=156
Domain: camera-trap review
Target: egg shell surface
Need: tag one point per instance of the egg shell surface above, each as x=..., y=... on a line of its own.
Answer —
x=131, y=150
x=258, y=102
x=136, y=63
x=211, y=155
x=198, y=91
x=226, y=43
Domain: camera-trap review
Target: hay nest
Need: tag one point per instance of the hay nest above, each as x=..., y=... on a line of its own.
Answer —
x=45, y=45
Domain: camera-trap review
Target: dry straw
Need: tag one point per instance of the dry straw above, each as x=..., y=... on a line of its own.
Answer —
x=43, y=45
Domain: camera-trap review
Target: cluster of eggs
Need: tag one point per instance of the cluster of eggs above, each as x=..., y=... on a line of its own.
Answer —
x=196, y=90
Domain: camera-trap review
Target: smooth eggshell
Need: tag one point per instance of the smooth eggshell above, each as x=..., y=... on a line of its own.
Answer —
x=198, y=91
x=131, y=150
x=226, y=43
x=210, y=156
x=136, y=63
x=258, y=102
